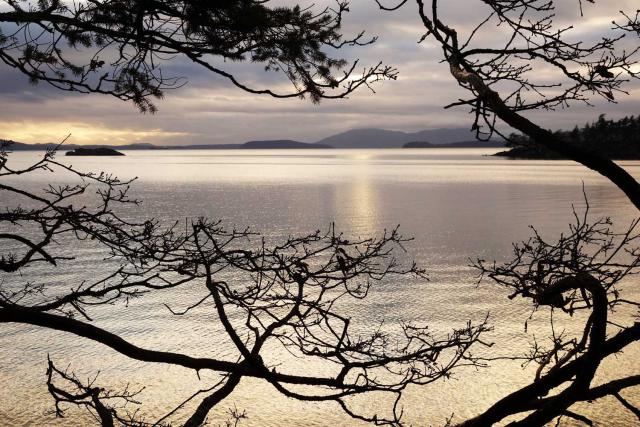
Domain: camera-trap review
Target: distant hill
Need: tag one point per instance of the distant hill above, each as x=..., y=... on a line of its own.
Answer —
x=445, y=136
x=199, y=147
x=418, y=144
x=382, y=138
x=19, y=146
x=367, y=138
x=463, y=144
x=280, y=143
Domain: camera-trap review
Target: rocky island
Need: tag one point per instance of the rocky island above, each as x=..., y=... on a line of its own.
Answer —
x=100, y=151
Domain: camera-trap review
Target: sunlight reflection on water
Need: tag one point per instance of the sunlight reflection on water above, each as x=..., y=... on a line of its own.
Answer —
x=457, y=203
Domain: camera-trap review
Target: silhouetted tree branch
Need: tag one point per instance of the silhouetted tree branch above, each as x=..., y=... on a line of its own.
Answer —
x=75, y=392
x=118, y=47
x=632, y=25
x=580, y=272
x=264, y=295
x=506, y=81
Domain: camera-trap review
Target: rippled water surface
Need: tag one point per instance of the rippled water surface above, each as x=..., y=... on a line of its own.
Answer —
x=457, y=203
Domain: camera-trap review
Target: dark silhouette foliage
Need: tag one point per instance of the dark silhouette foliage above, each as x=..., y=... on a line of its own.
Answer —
x=534, y=66
x=537, y=66
x=119, y=47
x=613, y=139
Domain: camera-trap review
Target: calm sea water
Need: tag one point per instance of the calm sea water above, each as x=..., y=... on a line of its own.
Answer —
x=457, y=203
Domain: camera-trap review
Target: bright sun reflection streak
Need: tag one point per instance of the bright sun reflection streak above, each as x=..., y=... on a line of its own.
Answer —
x=357, y=203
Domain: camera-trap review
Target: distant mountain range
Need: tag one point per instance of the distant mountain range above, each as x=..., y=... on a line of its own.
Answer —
x=19, y=146
x=356, y=138
x=382, y=138
x=280, y=143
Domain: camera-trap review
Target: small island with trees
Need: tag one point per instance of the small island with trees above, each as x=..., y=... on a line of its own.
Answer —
x=613, y=139
x=463, y=144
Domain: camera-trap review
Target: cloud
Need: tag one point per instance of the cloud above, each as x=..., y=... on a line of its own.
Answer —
x=211, y=110
x=81, y=133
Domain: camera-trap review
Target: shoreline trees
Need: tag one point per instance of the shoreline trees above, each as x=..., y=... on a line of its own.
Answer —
x=613, y=139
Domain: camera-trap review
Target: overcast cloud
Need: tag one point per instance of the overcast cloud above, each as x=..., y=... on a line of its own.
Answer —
x=210, y=110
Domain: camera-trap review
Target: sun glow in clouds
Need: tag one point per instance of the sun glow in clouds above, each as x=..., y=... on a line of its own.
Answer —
x=81, y=133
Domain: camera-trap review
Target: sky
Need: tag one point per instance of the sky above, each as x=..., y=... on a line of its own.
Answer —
x=210, y=110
